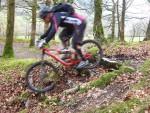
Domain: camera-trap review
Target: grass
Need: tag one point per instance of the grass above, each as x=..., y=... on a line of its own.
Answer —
x=13, y=64
x=17, y=40
x=144, y=106
x=145, y=81
x=131, y=106
x=145, y=68
x=24, y=111
x=7, y=64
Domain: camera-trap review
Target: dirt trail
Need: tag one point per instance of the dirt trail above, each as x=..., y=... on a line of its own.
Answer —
x=98, y=97
x=22, y=51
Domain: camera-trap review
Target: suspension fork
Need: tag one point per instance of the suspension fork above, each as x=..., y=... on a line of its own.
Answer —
x=42, y=56
x=42, y=74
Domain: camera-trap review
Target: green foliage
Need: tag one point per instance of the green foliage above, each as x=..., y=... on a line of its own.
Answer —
x=120, y=107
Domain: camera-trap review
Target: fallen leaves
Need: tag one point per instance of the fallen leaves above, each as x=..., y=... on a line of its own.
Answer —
x=13, y=89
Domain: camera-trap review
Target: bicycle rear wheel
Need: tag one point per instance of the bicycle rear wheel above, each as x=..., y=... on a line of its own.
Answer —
x=92, y=51
x=41, y=77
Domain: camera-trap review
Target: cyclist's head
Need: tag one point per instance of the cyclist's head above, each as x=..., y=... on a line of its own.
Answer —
x=45, y=14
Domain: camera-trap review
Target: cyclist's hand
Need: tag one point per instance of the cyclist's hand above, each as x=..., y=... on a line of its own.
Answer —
x=40, y=43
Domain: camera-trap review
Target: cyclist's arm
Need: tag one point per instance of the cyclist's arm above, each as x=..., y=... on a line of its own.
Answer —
x=46, y=33
x=52, y=29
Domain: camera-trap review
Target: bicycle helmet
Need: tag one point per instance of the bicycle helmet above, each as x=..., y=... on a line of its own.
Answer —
x=44, y=11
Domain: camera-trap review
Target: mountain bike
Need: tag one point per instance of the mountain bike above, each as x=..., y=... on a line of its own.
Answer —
x=43, y=75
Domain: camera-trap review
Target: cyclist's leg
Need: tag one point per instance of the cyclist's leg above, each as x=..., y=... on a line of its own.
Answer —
x=65, y=36
x=78, y=37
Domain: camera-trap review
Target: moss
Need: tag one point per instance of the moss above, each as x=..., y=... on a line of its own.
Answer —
x=105, y=79
x=120, y=107
x=126, y=69
x=145, y=68
x=24, y=111
x=93, y=50
x=50, y=101
x=145, y=80
x=84, y=89
x=24, y=95
x=8, y=52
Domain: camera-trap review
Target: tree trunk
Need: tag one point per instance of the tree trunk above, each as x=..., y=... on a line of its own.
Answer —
x=0, y=4
x=98, y=28
x=118, y=19
x=113, y=21
x=8, y=49
x=123, y=21
x=148, y=32
x=47, y=3
x=33, y=32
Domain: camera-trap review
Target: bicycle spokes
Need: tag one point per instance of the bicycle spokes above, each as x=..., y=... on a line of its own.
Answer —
x=41, y=77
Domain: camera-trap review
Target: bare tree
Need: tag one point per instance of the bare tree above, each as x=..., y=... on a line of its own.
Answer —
x=148, y=32
x=33, y=26
x=118, y=19
x=30, y=7
x=133, y=33
x=118, y=15
x=125, y=5
x=0, y=4
x=123, y=21
x=113, y=20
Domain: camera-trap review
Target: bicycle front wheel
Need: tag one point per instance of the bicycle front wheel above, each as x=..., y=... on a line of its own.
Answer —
x=92, y=51
x=41, y=76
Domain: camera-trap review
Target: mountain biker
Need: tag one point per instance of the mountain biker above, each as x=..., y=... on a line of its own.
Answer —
x=63, y=15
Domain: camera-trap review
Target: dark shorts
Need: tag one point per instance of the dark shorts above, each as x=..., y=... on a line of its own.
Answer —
x=74, y=32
